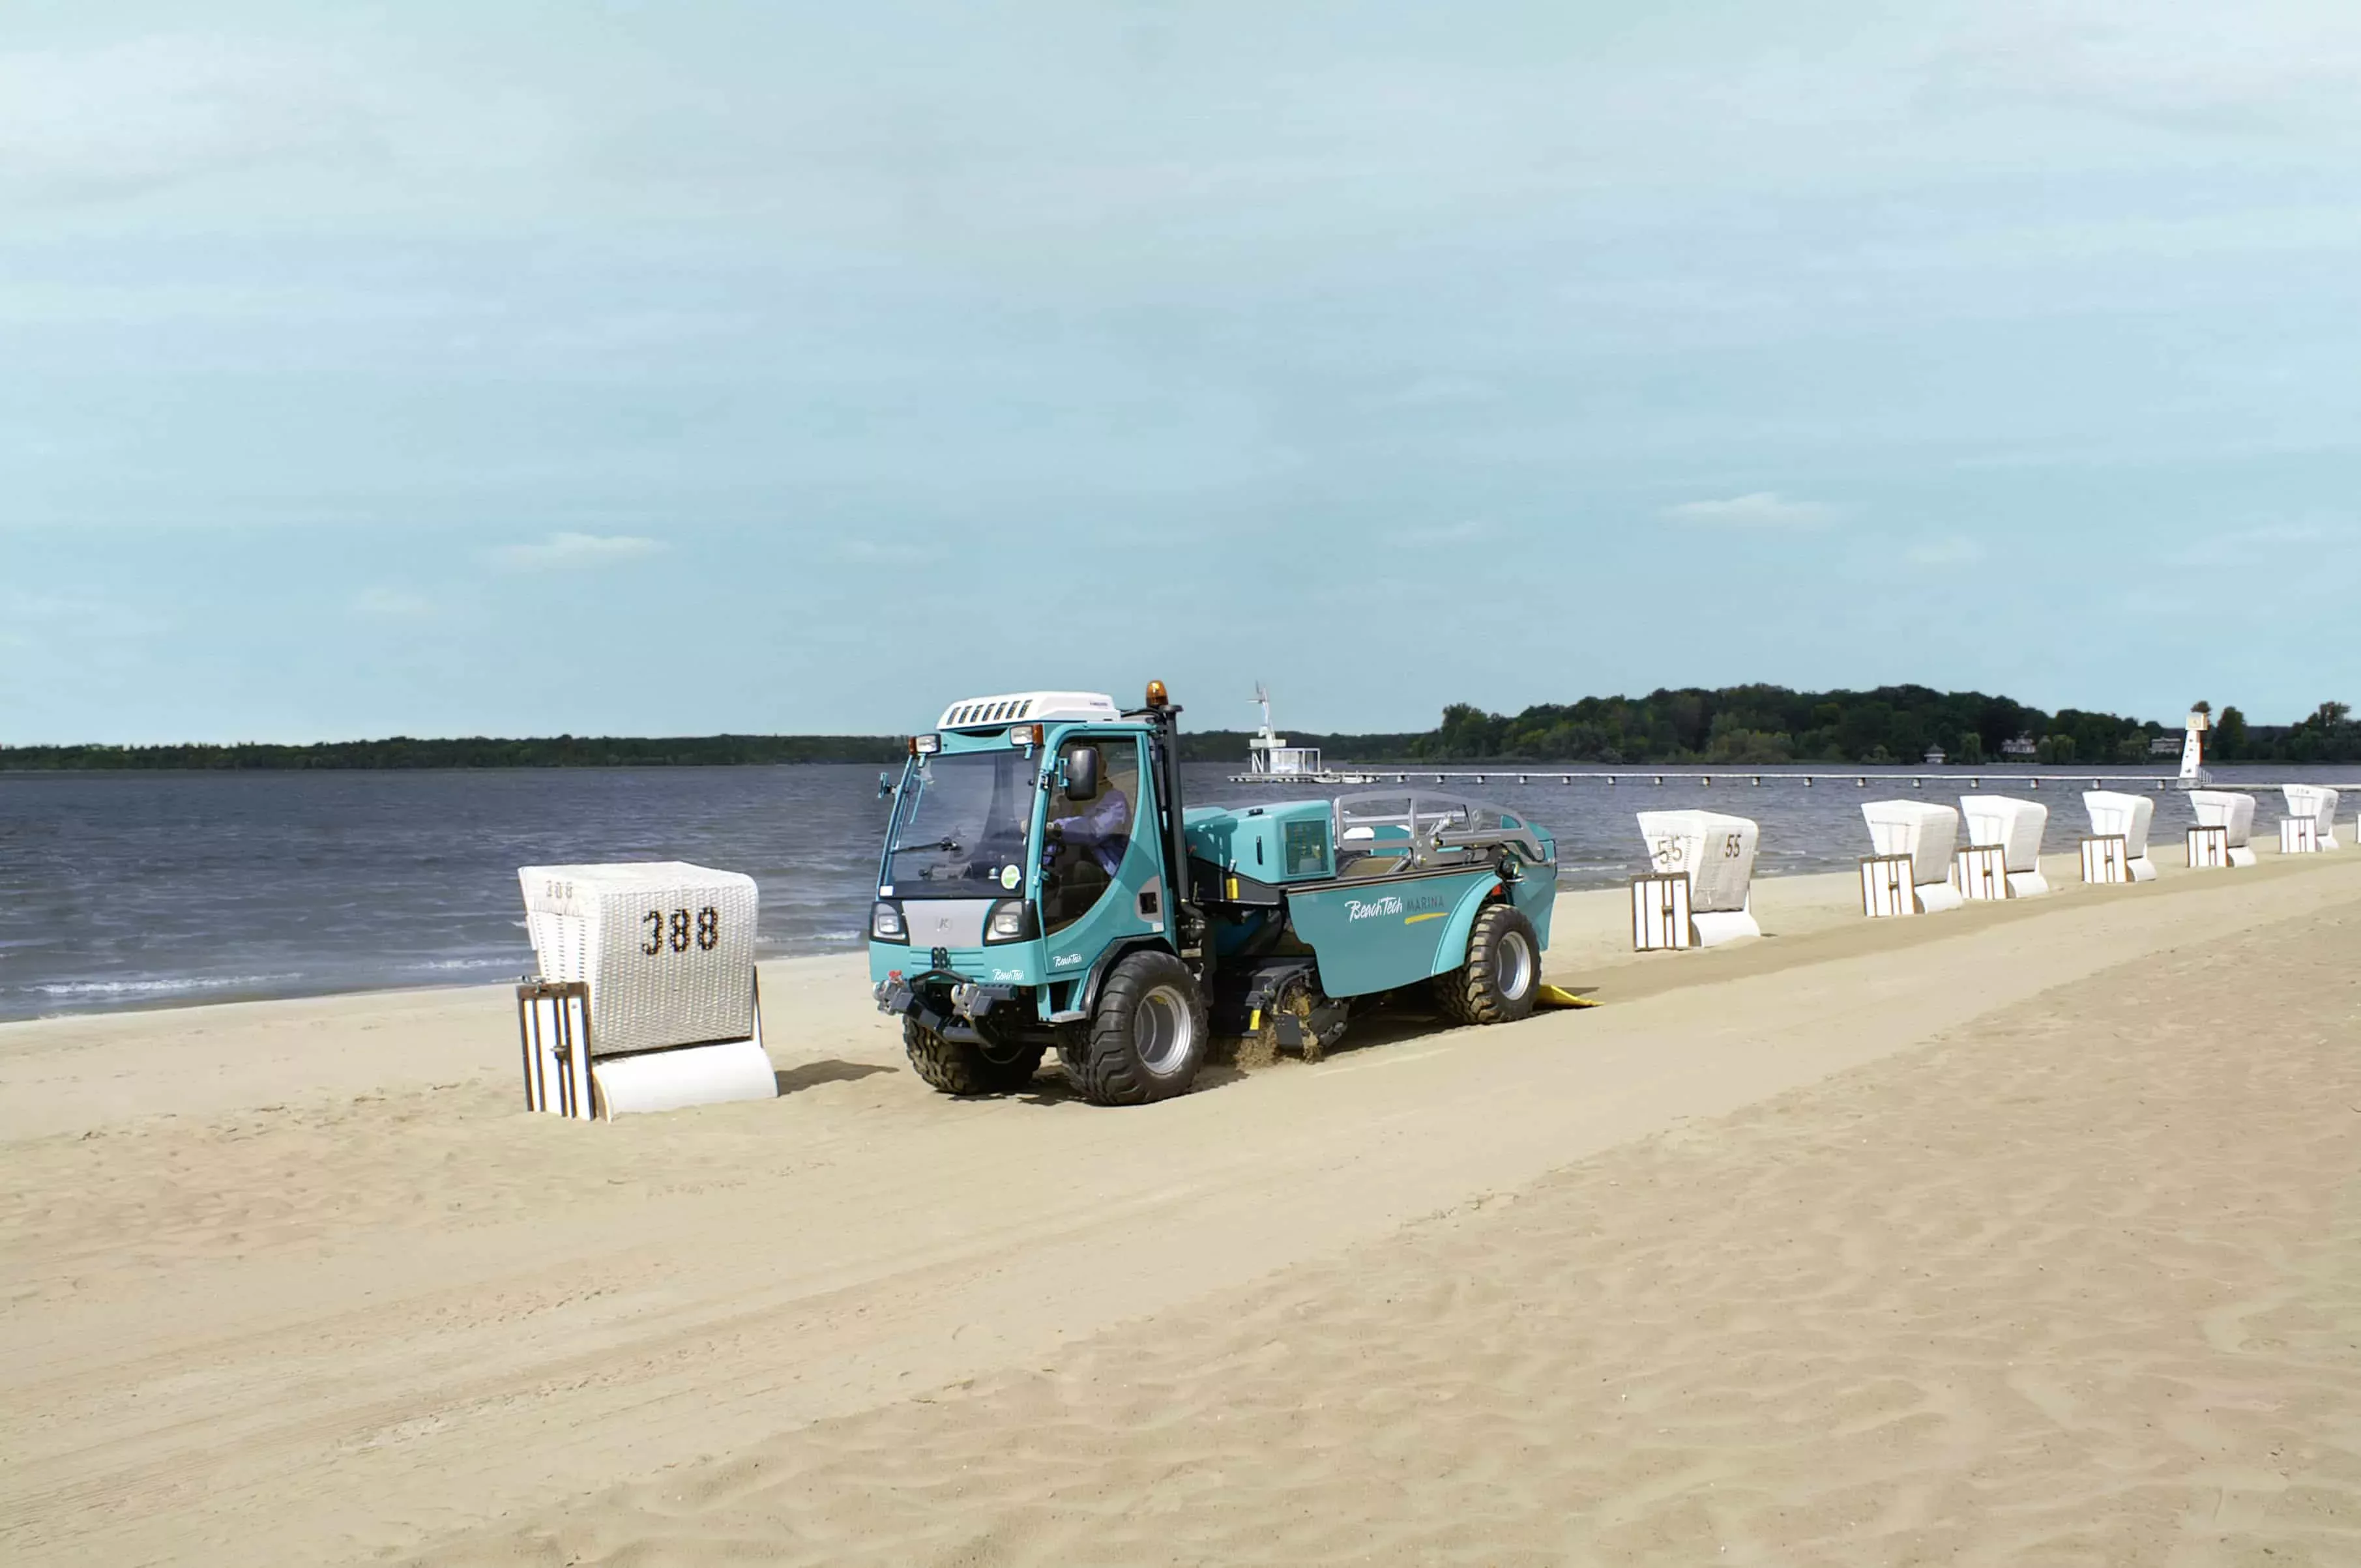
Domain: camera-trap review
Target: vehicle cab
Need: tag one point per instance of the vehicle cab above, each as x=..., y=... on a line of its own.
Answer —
x=1024, y=844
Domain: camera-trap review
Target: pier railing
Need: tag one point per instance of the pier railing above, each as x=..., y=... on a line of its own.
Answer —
x=1739, y=777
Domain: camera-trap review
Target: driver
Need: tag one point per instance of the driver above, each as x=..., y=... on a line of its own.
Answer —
x=1100, y=829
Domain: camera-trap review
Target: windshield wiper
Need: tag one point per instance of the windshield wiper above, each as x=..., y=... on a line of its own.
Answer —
x=949, y=847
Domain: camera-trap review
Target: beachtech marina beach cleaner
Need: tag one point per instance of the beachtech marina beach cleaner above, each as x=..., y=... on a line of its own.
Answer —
x=1044, y=886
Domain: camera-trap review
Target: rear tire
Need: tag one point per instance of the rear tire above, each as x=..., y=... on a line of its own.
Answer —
x=956, y=1068
x=1502, y=977
x=1149, y=1035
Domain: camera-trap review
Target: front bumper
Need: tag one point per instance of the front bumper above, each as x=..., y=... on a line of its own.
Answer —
x=951, y=1005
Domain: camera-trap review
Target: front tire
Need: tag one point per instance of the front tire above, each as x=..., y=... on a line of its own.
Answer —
x=1502, y=977
x=1149, y=1035
x=957, y=1067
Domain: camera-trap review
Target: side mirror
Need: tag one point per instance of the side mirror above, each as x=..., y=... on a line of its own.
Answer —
x=1082, y=774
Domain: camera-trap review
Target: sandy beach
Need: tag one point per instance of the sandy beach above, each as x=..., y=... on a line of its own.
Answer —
x=2021, y=1234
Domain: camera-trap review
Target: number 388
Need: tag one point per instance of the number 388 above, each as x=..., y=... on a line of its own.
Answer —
x=674, y=932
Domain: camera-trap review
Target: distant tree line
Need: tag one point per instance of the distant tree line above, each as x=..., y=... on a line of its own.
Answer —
x=582, y=752
x=1768, y=724
x=2330, y=734
x=1734, y=725
x=401, y=752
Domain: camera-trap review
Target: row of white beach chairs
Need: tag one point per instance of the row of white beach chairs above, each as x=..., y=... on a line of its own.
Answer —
x=1699, y=890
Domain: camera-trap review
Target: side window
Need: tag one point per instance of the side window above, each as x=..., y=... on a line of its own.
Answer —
x=1083, y=841
x=1307, y=849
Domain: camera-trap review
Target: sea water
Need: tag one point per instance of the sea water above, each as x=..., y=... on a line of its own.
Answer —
x=142, y=890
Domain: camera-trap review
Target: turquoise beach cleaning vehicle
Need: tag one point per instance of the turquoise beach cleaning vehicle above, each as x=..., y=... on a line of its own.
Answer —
x=1044, y=886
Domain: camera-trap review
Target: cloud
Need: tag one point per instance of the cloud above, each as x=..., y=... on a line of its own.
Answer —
x=155, y=112
x=67, y=620
x=2279, y=67
x=1953, y=550
x=81, y=126
x=1759, y=509
x=1467, y=530
x=1444, y=391
x=73, y=652
x=392, y=604
x=2250, y=546
x=870, y=552
x=576, y=552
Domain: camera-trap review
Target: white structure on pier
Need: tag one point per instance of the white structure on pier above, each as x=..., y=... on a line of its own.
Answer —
x=1270, y=755
x=1270, y=760
x=2193, y=750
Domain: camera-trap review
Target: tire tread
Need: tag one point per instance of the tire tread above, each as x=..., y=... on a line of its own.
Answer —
x=955, y=1068
x=1471, y=993
x=1109, y=1072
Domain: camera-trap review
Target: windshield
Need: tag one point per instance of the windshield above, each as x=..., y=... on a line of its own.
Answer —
x=960, y=825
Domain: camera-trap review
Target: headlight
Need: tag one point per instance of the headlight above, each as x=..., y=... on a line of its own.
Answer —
x=1011, y=920
x=885, y=924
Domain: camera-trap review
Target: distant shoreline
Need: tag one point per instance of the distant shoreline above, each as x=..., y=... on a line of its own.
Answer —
x=403, y=753
x=1207, y=750
x=1541, y=770
x=1732, y=729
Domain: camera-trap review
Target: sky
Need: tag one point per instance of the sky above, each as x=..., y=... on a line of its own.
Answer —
x=528, y=369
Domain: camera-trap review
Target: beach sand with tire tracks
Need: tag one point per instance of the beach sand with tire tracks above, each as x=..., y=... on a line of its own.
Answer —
x=2026, y=1234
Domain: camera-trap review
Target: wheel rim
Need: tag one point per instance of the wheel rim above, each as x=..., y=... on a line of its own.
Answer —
x=1515, y=958
x=1165, y=1031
